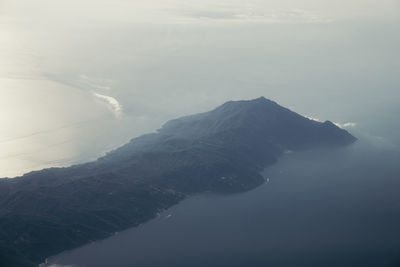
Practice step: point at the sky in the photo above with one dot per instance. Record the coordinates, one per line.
(78, 78)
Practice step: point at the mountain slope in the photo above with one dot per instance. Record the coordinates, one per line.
(43, 213)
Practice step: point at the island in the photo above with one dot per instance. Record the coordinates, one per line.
(45, 212)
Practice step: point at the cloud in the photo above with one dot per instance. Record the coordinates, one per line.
(346, 124)
(111, 103)
(313, 119)
(251, 13)
(341, 125)
(350, 124)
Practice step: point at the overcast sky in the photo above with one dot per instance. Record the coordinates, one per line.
(78, 78)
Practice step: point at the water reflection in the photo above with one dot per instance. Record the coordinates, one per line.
(125, 73)
(47, 124)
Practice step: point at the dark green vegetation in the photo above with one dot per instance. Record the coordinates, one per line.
(43, 213)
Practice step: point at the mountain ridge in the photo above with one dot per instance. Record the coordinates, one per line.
(45, 212)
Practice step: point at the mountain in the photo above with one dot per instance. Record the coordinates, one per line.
(45, 212)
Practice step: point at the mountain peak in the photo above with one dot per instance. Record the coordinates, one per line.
(252, 102)
(130, 185)
(262, 116)
(262, 99)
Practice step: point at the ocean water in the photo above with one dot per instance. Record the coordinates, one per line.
(318, 208)
(78, 79)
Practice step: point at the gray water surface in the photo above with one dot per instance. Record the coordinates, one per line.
(319, 208)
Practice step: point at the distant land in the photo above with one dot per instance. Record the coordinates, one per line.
(224, 150)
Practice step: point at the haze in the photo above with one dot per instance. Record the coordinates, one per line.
(78, 78)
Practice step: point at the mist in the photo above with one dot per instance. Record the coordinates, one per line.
(159, 60)
(81, 78)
